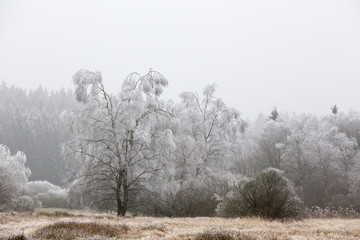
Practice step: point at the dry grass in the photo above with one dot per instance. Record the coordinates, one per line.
(222, 234)
(102, 226)
(74, 230)
(17, 237)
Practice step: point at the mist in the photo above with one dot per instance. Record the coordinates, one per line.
(232, 109)
(298, 56)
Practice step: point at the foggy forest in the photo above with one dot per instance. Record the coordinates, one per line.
(193, 120)
(136, 152)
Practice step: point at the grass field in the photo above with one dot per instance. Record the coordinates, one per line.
(63, 224)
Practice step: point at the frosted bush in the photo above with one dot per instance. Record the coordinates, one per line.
(333, 212)
(15, 163)
(268, 195)
(25, 204)
(47, 193)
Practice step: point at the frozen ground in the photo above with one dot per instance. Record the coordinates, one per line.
(183, 228)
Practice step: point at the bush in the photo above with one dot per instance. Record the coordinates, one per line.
(149, 203)
(25, 204)
(192, 199)
(80, 196)
(333, 212)
(268, 195)
(47, 193)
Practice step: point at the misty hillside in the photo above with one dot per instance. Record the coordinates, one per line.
(30, 122)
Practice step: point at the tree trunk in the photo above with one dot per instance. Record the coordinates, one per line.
(126, 194)
(119, 201)
(122, 190)
(119, 205)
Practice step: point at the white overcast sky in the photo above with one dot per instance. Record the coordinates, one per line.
(301, 56)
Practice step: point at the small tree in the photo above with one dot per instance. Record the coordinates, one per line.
(334, 109)
(274, 115)
(268, 195)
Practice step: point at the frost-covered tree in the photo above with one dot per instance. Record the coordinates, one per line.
(317, 154)
(8, 188)
(208, 130)
(26, 195)
(15, 163)
(13, 176)
(295, 150)
(334, 109)
(274, 115)
(115, 138)
(271, 143)
(205, 132)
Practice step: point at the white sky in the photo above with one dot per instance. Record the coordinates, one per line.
(301, 56)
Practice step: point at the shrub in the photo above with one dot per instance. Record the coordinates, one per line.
(80, 197)
(25, 204)
(149, 203)
(47, 193)
(333, 212)
(192, 199)
(268, 195)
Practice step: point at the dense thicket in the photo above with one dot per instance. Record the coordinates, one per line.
(20, 194)
(30, 122)
(320, 155)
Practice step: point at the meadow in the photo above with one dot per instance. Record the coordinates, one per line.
(65, 224)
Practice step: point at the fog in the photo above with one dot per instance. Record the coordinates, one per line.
(301, 56)
(181, 108)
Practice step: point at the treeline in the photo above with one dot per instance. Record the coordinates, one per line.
(140, 153)
(134, 151)
(319, 154)
(30, 122)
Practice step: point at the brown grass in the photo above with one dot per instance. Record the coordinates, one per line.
(56, 214)
(73, 230)
(16, 237)
(102, 226)
(222, 234)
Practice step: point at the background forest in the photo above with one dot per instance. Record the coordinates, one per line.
(134, 151)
